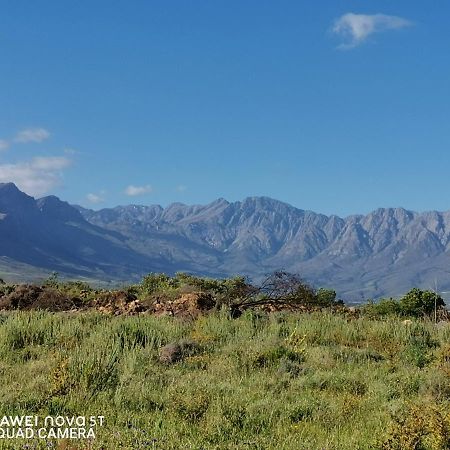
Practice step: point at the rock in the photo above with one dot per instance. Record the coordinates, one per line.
(170, 354)
(175, 352)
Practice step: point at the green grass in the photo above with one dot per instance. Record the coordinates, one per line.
(281, 381)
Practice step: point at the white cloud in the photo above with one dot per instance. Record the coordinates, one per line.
(181, 188)
(356, 28)
(50, 163)
(37, 176)
(95, 198)
(133, 191)
(4, 145)
(31, 135)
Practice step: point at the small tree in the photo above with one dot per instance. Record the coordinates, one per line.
(280, 288)
(156, 282)
(52, 280)
(420, 303)
(326, 297)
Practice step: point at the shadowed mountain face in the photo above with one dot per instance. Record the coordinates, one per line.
(383, 253)
(53, 236)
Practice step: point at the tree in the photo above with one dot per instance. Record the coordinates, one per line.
(280, 288)
(326, 297)
(420, 303)
(155, 282)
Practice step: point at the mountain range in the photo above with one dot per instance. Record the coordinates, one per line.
(383, 253)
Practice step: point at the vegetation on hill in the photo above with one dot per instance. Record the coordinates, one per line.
(158, 292)
(279, 290)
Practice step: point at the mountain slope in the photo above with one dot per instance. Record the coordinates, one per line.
(53, 236)
(385, 252)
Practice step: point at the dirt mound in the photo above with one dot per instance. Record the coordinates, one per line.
(29, 297)
(118, 303)
(188, 305)
(123, 302)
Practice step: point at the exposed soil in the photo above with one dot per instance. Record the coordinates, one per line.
(118, 303)
(31, 297)
(188, 305)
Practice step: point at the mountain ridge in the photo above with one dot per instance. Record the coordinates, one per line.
(384, 252)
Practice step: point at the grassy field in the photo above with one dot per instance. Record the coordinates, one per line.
(262, 381)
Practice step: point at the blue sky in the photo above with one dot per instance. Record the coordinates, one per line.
(339, 107)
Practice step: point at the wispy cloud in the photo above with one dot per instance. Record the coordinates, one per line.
(32, 135)
(356, 28)
(181, 188)
(36, 177)
(50, 163)
(4, 145)
(96, 198)
(70, 151)
(133, 191)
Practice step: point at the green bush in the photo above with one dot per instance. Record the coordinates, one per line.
(157, 282)
(419, 303)
(416, 303)
(326, 297)
(384, 307)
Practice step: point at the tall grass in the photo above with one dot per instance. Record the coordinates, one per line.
(280, 381)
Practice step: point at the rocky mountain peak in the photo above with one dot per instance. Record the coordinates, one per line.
(56, 209)
(14, 201)
(384, 252)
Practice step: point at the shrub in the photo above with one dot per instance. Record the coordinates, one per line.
(416, 303)
(421, 427)
(384, 307)
(326, 297)
(157, 282)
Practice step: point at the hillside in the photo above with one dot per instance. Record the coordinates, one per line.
(45, 235)
(382, 253)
